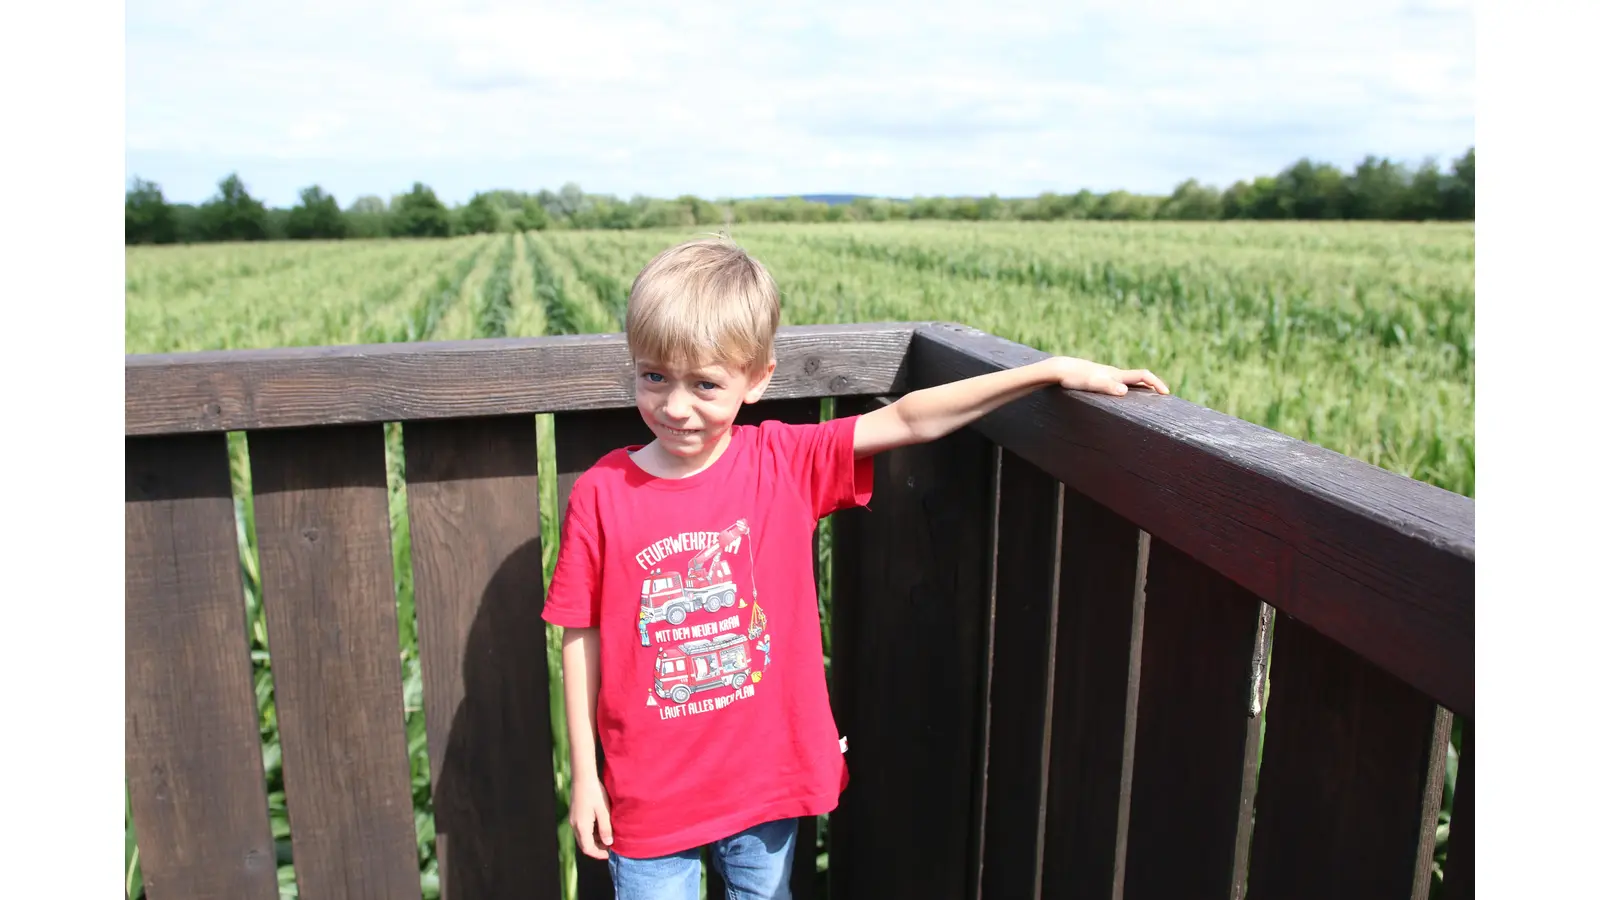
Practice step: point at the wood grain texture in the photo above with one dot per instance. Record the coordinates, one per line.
(1460, 879)
(193, 741)
(1025, 576)
(300, 386)
(1091, 724)
(848, 693)
(1432, 803)
(472, 490)
(1344, 790)
(911, 653)
(1380, 563)
(327, 580)
(1195, 751)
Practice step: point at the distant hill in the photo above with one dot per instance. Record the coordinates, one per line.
(830, 199)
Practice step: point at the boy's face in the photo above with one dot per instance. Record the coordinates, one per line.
(689, 408)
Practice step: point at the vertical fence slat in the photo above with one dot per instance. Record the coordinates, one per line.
(193, 741)
(327, 578)
(912, 658)
(845, 688)
(1344, 777)
(1096, 667)
(1432, 801)
(1027, 548)
(1194, 754)
(1461, 859)
(473, 494)
(581, 439)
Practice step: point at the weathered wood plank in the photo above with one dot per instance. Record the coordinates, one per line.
(327, 580)
(581, 439)
(1432, 802)
(473, 494)
(912, 656)
(803, 880)
(298, 386)
(1195, 748)
(1093, 699)
(1378, 562)
(193, 742)
(1460, 879)
(1026, 544)
(847, 693)
(1343, 796)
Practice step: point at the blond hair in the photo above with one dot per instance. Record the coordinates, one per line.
(703, 302)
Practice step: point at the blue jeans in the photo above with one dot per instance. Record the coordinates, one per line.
(755, 864)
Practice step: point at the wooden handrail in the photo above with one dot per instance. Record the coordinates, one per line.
(232, 390)
(1381, 563)
(1374, 560)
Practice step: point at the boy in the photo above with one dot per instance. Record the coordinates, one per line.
(684, 582)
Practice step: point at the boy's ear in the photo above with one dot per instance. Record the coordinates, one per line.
(759, 385)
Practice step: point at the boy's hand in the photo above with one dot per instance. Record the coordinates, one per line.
(1083, 375)
(590, 814)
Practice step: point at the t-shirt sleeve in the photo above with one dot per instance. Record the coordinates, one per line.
(574, 598)
(822, 459)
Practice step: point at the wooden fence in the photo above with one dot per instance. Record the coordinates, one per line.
(1051, 633)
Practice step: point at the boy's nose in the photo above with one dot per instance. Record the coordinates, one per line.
(677, 406)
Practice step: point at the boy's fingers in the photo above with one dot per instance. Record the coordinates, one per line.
(583, 830)
(604, 818)
(1145, 377)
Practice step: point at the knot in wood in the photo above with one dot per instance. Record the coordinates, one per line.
(310, 535)
(813, 365)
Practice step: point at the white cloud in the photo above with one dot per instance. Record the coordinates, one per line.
(892, 98)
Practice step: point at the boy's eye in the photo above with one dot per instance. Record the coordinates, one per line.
(653, 377)
(707, 386)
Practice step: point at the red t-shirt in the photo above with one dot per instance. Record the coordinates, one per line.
(713, 707)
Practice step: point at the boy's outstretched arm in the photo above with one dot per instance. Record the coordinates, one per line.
(932, 413)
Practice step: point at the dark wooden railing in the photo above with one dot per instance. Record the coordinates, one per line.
(1050, 632)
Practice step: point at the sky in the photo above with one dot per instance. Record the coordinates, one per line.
(894, 98)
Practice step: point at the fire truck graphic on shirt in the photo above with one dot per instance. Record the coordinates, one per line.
(707, 584)
(697, 608)
(687, 669)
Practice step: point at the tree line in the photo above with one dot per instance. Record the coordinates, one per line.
(1375, 189)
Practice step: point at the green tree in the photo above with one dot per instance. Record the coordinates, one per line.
(1459, 201)
(1311, 190)
(531, 217)
(1424, 201)
(368, 217)
(1192, 201)
(233, 215)
(420, 213)
(704, 211)
(317, 216)
(148, 219)
(1376, 189)
(1257, 199)
(483, 214)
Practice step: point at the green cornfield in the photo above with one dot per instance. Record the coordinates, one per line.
(1358, 337)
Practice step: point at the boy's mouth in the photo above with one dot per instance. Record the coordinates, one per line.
(681, 432)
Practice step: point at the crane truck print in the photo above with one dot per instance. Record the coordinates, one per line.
(707, 584)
